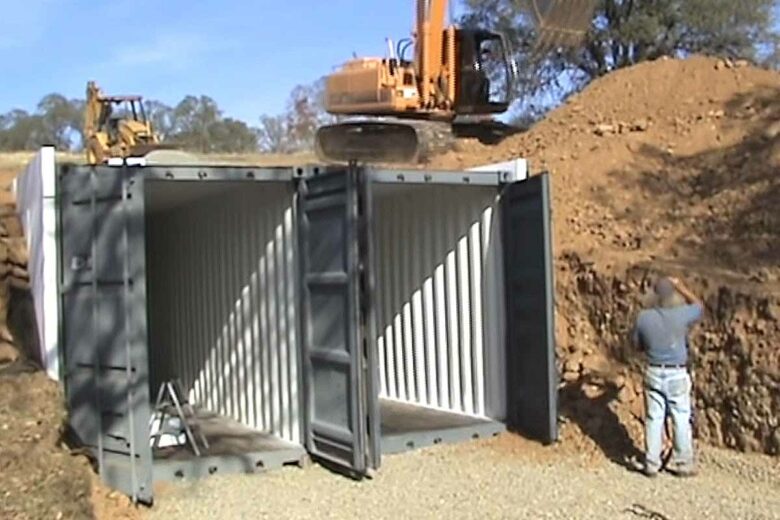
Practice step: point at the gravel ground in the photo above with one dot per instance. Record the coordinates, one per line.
(487, 480)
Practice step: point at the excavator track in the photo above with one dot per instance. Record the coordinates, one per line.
(388, 140)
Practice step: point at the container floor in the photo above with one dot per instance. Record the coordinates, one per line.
(407, 427)
(233, 448)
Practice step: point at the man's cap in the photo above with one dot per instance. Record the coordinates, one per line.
(664, 288)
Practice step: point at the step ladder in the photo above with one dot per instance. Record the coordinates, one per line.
(171, 402)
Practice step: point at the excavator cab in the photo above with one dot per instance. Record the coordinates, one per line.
(486, 75)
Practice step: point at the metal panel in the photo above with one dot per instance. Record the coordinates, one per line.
(249, 462)
(223, 304)
(439, 297)
(463, 178)
(368, 302)
(337, 404)
(104, 322)
(222, 173)
(532, 378)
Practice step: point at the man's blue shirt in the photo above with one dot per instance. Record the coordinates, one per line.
(662, 333)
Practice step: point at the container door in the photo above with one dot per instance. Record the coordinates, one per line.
(532, 377)
(102, 282)
(335, 367)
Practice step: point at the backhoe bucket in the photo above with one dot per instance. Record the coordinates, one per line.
(142, 149)
(562, 22)
(367, 142)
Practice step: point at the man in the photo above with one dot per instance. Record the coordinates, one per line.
(661, 331)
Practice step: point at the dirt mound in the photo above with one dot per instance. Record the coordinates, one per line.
(40, 479)
(669, 166)
(39, 476)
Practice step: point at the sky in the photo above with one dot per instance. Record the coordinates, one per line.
(245, 54)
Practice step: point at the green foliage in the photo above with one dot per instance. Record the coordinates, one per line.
(56, 121)
(161, 117)
(272, 134)
(233, 136)
(294, 129)
(19, 130)
(623, 33)
(195, 120)
(196, 123)
(60, 120)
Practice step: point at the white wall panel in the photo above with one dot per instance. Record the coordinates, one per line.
(439, 284)
(34, 192)
(222, 298)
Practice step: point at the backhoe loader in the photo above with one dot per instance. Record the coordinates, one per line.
(456, 80)
(116, 126)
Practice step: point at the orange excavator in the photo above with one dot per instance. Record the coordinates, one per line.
(456, 79)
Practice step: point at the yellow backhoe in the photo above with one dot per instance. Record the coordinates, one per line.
(416, 102)
(116, 126)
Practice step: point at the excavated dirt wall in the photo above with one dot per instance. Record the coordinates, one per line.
(735, 362)
(669, 167)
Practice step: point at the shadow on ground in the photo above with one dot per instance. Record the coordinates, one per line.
(596, 419)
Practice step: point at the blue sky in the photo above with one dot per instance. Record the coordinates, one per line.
(245, 54)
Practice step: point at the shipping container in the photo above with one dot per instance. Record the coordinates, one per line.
(335, 312)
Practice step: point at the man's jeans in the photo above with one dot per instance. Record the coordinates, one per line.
(668, 389)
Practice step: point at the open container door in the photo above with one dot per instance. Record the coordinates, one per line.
(103, 306)
(532, 380)
(339, 407)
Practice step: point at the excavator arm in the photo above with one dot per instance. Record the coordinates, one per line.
(430, 35)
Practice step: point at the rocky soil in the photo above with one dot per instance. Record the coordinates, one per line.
(670, 167)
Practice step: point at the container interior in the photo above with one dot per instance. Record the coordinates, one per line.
(222, 311)
(438, 313)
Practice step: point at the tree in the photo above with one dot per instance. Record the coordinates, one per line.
(771, 55)
(193, 119)
(272, 134)
(233, 136)
(56, 121)
(294, 130)
(20, 130)
(61, 121)
(197, 124)
(306, 113)
(161, 117)
(623, 33)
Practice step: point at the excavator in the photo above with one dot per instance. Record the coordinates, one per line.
(456, 81)
(116, 126)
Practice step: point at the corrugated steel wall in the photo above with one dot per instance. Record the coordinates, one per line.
(439, 310)
(222, 298)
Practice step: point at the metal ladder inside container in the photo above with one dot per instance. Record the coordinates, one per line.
(172, 403)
